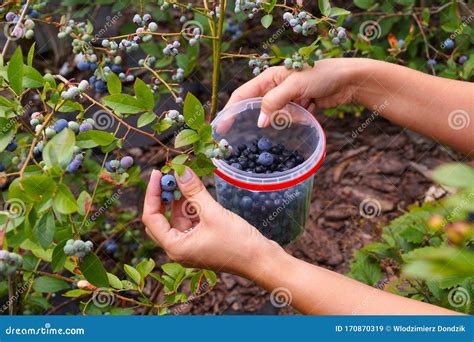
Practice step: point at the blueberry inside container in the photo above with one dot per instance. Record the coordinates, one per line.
(276, 203)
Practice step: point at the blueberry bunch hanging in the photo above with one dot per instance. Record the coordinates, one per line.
(259, 64)
(78, 248)
(119, 166)
(300, 22)
(295, 62)
(338, 35)
(9, 263)
(169, 189)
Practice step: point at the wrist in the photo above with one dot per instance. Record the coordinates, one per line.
(361, 75)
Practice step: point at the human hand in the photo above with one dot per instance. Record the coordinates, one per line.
(201, 233)
(331, 82)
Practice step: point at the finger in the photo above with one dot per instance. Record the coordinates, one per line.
(196, 194)
(277, 98)
(179, 216)
(152, 203)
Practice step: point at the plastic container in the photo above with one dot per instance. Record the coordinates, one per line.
(279, 205)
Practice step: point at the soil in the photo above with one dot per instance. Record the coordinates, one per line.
(384, 162)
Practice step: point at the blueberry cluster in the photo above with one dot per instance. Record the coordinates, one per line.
(216, 12)
(196, 35)
(295, 62)
(300, 22)
(173, 117)
(261, 156)
(73, 92)
(86, 62)
(119, 166)
(24, 31)
(169, 189)
(338, 35)
(146, 25)
(77, 160)
(9, 263)
(179, 76)
(171, 49)
(80, 34)
(279, 215)
(100, 77)
(249, 7)
(78, 248)
(222, 150)
(259, 64)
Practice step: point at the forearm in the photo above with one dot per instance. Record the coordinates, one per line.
(315, 290)
(418, 101)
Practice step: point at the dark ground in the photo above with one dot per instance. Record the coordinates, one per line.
(384, 162)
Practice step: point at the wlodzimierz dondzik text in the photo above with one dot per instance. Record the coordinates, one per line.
(402, 328)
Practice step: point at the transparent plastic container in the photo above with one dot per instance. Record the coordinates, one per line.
(278, 203)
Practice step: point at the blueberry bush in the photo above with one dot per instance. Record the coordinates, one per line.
(62, 172)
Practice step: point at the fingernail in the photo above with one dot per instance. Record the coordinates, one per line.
(262, 119)
(186, 176)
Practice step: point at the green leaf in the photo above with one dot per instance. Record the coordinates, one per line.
(133, 274)
(202, 166)
(31, 54)
(114, 281)
(365, 270)
(336, 11)
(32, 78)
(180, 159)
(211, 277)
(324, 7)
(94, 271)
(267, 20)
(146, 118)
(84, 202)
(145, 267)
(193, 112)
(64, 201)
(37, 188)
(456, 175)
(114, 85)
(268, 6)
(49, 285)
(144, 95)
(15, 71)
(172, 269)
(76, 293)
(99, 138)
(6, 136)
(44, 230)
(59, 258)
(59, 150)
(123, 103)
(364, 4)
(186, 137)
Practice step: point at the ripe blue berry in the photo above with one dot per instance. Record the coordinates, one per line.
(265, 159)
(85, 126)
(167, 196)
(74, 166)
(60, 125)
(448, 44)
(83, 66)
(126, 162)
(168, 183)
(246, 203)
(431, 61)
(462, 59)
(264, 144)
(12, 146)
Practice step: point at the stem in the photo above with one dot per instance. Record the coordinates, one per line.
(22, 16)
(217, 46)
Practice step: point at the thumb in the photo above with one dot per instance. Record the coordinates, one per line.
(277, 98)
(192, 188)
